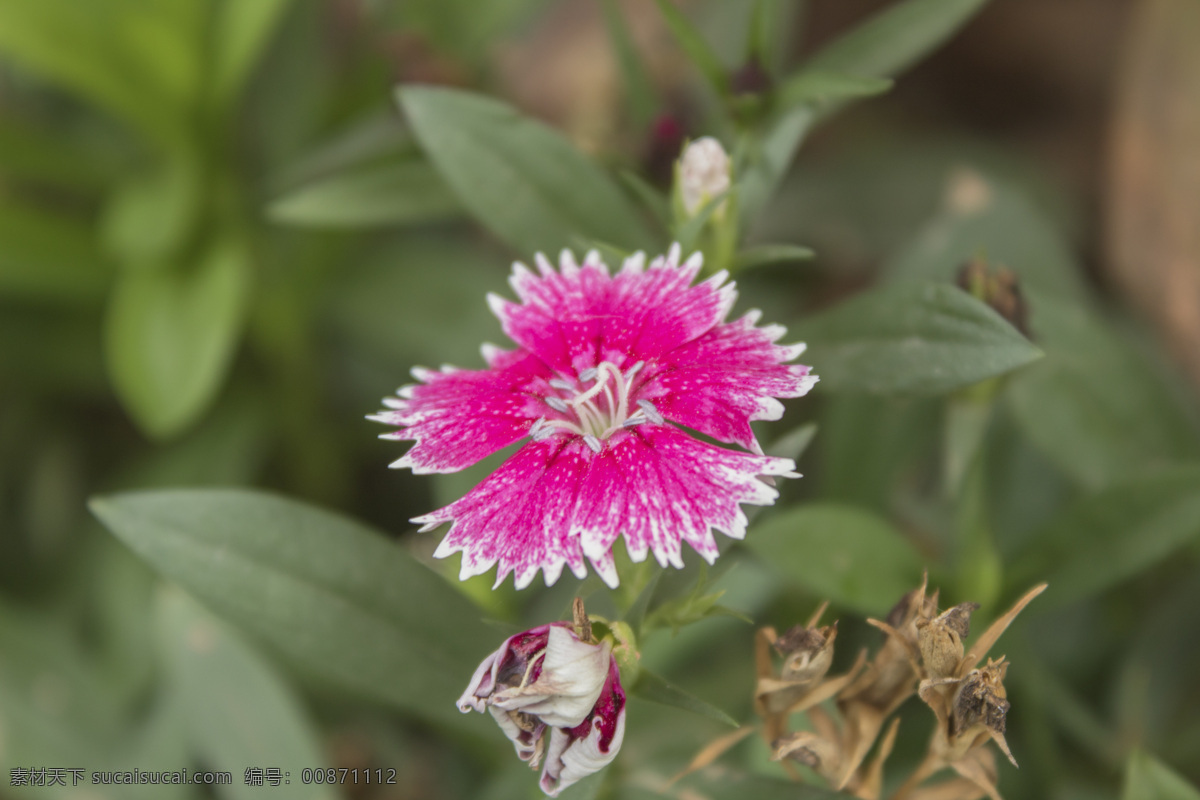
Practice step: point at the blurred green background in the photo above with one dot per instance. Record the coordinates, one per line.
(224, 236)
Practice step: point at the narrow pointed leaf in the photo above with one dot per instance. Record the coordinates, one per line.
(769, 254)
(657, 689)
(170, 336)
(333, 596)
(1114, 535)
(913, 339)
(237, 709)
(393, 194)
(521, 179)
(1147, 778)
(694, 45)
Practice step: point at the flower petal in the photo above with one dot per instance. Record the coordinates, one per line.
(555, 501)
(579, 316)
(516, 517)
(573, 673)
(458, 417)
(659, 487)
(575, 753)
(722, 381)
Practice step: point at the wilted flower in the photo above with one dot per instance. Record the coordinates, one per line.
(704, 173)
(556, 696)
(605, 369)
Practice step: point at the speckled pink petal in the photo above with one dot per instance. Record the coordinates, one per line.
(516, 518)
(659, 487)
(722, 381)
(458, 417)
(556, 501)
(579, 316)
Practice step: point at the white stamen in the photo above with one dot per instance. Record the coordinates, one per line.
(600, 410)
(651, 412)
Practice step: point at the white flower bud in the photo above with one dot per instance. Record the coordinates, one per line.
(704, 173)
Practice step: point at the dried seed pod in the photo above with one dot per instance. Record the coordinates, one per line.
(807, 652)
(941, 639)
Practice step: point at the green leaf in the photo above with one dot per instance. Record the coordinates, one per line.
(638, 87)
(895, 38)
(238, 711)
(848, 555)
(407, 192)
(1113, 535)
(657, 689)
(46, 256)
(883, 46)
(769, 254)
(648, 195)
(695, 46)
(1147, 778)
(688, 232)
(335, 597)
(170, 337)
(793, 443)
(912, 339)
(150, 216)
(138, 61)
(241, 32)
(524, 181)
(1096, 407)
(816, 88)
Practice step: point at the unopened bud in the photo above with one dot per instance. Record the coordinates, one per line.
(704, 173)
(554, 695)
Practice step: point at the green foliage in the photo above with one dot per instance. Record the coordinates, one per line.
(848, 555)
(919, 339)
(657, 689)
(236, 710)
(221, 242)
(520, 178)
(170, 337)
(328, 593)
(1149, 779)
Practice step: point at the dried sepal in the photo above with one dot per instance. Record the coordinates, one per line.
(982, 645)
(869, 783)
(822, 755)
(712, 751)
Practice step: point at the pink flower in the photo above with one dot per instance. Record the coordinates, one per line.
(555, 696)
(609, 373)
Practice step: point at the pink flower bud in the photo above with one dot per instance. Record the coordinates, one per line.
(555, 696)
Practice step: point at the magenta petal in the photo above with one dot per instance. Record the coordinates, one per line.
(659, 487)
(556, 501)
(517, 518)
(579, 316)
(722, 381)
(458, 417)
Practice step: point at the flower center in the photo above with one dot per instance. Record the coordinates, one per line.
(597, 411)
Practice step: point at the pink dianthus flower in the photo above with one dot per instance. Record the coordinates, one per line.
(609, 373)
